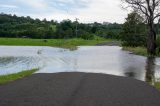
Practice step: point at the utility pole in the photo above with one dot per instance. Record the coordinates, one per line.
(76, 27)
(158, 25)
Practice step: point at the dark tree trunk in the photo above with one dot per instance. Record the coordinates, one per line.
(151, 42)
(150, 69)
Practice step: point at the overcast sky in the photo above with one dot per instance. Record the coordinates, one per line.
(86, 10)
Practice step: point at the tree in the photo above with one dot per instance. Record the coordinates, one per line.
(134, 31)
(15, 26)
(150, 10)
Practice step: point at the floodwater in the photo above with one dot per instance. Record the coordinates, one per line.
(92, 59)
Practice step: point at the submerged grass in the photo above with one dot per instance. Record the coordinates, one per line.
(11, 77)
(137, 50)
(63, 43)
(140, 51)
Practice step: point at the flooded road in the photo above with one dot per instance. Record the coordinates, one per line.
(92, 59)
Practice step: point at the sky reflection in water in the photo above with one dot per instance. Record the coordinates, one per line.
(94, 59)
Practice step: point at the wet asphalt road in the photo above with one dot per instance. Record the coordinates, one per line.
(78, 89)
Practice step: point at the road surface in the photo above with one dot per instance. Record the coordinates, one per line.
(78, 89)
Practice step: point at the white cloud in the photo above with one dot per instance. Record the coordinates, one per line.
(8, 6)
(86, 10)
(34, 3)
(101, 10)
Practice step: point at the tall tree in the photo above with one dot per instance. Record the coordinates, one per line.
(134, 33)
(151, 10)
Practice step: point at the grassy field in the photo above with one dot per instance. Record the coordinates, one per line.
(157, 85)
(140, 51)
(137, 50)
(11, 77)
(64, 43)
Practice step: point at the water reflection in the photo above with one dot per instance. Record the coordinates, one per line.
(98, 59)
(131, 73)
(6, 60)
(15, 64)
(150, 70)
(132, 65)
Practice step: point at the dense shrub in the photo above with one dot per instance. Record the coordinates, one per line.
(134, 40)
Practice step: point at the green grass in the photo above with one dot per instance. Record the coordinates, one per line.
(63, 43)
(11, 77)
(137, 50)
(142, 50)
(157, 85)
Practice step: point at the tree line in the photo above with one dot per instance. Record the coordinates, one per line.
(134, 32)
(27, 27)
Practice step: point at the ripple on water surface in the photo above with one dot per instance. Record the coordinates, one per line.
(95, 59)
